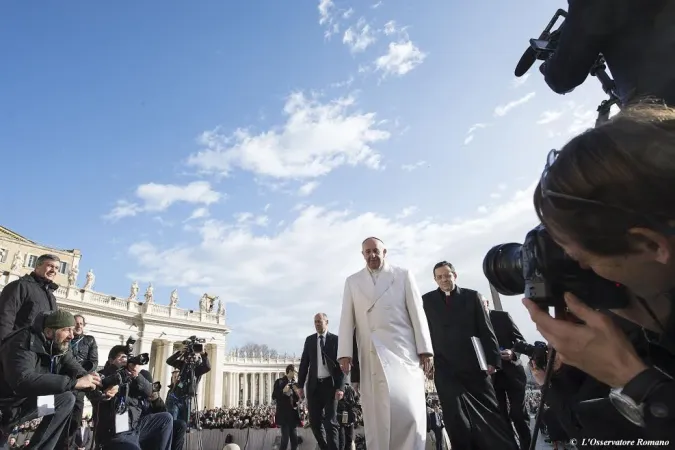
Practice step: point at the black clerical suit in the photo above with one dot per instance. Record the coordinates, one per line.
(470, 409)
(510, 381)
(320, 391)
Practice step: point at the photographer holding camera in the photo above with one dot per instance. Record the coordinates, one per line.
(155, 404)
(119, 422)
(286, 394)
(37, 377)
(635, 38)
(607, 200)
(192, 362)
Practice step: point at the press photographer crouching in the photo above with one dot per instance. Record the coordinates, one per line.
(37, 378)
(608, 200)
(118, 407)
(192, 362)
(155, 404)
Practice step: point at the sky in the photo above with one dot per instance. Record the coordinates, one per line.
(245, 149)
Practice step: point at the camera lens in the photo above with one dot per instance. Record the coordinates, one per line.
(503, 267)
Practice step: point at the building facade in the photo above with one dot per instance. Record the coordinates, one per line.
(159, 329)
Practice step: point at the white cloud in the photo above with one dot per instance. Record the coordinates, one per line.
(359, 37)
(390, 28)
(517, 82)
(401, 58)
(407, 212)
(468, 139)
(502, 110)
(315, 139)
(471, 133)
(376, 5)
(159, 197)
(347, 14)
(549, 116)
(199, 213)
(325, 10)
(308, 188)
(411, 167)
(309, 257)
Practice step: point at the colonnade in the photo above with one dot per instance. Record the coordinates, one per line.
(249, 388)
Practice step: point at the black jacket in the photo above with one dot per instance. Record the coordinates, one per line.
(286, 405)
(308, 362)
(176, 361)
(453, 324)
(135, 395)
(84, 348)
(348, 403)
(636, 39)
(25, 368)
(507, 334)
(22, 300)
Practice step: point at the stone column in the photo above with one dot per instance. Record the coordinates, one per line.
(165, 349)
(237, 386)
(245, 399)
(214, 396)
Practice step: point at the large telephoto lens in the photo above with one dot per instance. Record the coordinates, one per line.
(503, 267)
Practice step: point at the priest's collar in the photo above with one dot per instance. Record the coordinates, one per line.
(455, 290)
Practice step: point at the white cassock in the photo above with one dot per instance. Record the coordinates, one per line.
(391, 331)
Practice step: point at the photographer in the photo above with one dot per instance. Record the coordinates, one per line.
(36, 369)
(85, 350)
(119, 422)
(607, 199)
(155, 404)
(192, 362)
(286, 394)
(633, 36)
(346, 415)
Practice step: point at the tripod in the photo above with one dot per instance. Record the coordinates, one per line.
(599, 70)
(190, 401)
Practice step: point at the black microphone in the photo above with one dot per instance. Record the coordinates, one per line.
(526, 61)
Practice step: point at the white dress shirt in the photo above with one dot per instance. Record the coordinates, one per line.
(321, 369)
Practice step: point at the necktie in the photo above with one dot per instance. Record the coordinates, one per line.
(323, 356)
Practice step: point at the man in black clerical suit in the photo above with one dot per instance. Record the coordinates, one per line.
(510, 381)
(325, 383)
(285, 394)
(470, 409)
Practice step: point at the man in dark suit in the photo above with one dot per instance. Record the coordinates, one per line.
(82, 437)
(325, 383)
(510, 381)
(468, 400)
(286, 395)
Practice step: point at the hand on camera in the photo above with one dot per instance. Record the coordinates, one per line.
(597, 347)
(111, 392)
(88, 382)
(287, 389)
(507, 355)
(339, 394)
(134, 370)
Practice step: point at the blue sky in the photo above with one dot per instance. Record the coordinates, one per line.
(247, 148)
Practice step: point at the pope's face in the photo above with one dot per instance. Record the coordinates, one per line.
(373, 252)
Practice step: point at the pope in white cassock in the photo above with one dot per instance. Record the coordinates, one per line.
(384, 304)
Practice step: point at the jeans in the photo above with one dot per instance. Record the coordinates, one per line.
(179, 408)
(53, 429)
(179, 429)
(154, 432)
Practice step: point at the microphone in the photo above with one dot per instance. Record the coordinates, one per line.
(526, 61)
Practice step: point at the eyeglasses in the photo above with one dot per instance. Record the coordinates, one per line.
(655, 221)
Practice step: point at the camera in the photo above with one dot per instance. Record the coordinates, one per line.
(538, 353)
(156, 386)
(540, 269)
(141, 359)
(194, 345)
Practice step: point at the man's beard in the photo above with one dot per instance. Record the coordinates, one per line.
(61, 348)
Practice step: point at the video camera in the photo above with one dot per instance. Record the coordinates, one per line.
(540, 269)
(543, 47)
(538, 353)
(194, 345)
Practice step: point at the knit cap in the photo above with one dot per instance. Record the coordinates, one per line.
(59, 319)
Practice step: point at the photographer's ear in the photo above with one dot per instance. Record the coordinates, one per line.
(656, 246)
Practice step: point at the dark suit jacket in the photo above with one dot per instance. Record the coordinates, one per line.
(508, 334)
(308, 362)
(286, 405)
(355, 374)
(79, 441)
(453, 325)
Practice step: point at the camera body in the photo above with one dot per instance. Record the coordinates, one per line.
(538, 353)
(122, 377)
(194, 345)
(140, 359)
(156, 386)
(540, 269)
